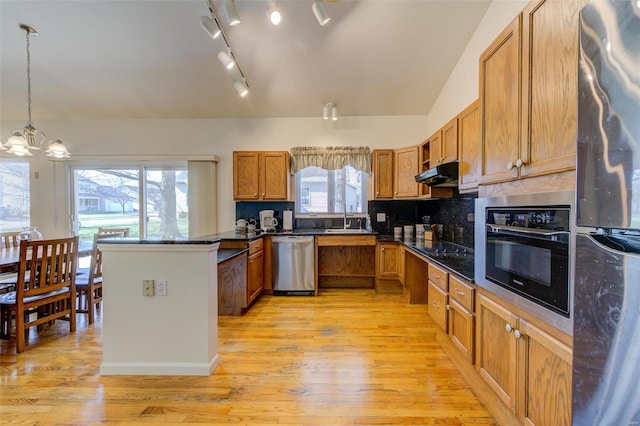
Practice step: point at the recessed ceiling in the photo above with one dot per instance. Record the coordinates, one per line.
(151, 59)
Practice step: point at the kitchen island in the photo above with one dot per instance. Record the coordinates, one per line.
(160, 313)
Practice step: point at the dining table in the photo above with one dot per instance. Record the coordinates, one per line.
(10, 257)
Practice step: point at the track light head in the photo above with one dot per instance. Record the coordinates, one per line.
(273, 12)
(230, 12)
(334, 113)
(210, 26)
(226, 59)
(241, 88)
(321, 13)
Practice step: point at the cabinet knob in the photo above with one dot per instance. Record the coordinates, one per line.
(508, 328)
(255, 195)
(377, 193)
(517, 334)
(263, 194)
(519, 163)
(448, 308)
(382, 249)
(510, 165)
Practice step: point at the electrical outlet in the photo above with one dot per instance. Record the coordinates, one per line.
(148, 288)
(471, 217)
(381, 217)
(162, 287)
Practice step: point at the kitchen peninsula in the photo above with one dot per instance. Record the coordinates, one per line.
(166, 326)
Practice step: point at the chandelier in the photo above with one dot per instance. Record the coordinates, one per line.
(23, 141)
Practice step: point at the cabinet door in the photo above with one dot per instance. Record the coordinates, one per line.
(550, 52)
(401, 254)
(405, 171)
(246, 171)
(500, 70)
(435, 149)
(544, 378)
(382, 173)
(388, 260)
(450, 141)
(437, 305)
(274, 175)
(461, 329)
(469, 148)
(255, 277)
(496, 348)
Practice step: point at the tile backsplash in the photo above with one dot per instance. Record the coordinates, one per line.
(251, 210)
(451, 213)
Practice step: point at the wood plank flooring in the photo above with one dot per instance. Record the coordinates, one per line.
(345, 357)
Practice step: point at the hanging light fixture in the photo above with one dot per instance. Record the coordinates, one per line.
(23, 141)
(230, 12)
(273, 12)
(321, 13)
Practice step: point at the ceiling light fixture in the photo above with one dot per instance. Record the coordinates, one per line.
(210, 25)
(241, 88)
(23, 141)
(273, 12)
(330, 111)
(226, 59)
(334, 113)
(230, 12)
(321, 13)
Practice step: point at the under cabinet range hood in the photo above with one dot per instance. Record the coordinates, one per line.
(442, 175)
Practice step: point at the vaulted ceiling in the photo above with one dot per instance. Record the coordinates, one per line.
(98, 59)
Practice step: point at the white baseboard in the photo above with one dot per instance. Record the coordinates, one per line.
(159, 368)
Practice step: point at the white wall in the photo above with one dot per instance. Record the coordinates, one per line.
(461, 88)
(222, 137)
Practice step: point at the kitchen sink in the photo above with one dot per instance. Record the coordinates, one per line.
(346, 231)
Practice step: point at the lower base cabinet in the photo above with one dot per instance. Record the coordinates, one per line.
(528, 368)
(232, 285)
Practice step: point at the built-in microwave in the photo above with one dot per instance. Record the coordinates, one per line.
(524, 252)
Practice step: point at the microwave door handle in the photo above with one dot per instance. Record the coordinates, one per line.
(516, 230)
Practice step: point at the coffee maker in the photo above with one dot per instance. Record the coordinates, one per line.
(267, 221)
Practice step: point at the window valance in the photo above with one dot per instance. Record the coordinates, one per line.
(331, 158)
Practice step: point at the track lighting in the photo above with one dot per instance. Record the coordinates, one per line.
(330, 111)
(241, 88)
(230, 12)
(273, 12)
(321, 13)
(226, 59)
(209, 24)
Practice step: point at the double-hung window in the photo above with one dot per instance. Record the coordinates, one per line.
(14, 194)
(326, 192)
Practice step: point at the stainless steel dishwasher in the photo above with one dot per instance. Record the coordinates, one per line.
(293, 265)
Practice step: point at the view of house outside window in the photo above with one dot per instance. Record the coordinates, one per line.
(14, 194)
(151, 202)
(320, 191)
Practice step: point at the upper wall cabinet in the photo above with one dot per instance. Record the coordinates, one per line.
(261, 175)
(382, 160)
(469, 148)
(528, 94)
(406, 168)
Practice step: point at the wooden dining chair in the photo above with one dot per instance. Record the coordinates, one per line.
(8, 239)
(45, 289)
(125, 231)
(89, 286)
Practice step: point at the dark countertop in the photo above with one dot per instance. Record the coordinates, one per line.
(454, 257)
(203, 240)
(226, 254)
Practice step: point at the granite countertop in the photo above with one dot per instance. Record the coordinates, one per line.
(203, 240)
(226, 254)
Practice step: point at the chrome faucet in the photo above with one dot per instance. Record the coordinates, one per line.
(347, 223)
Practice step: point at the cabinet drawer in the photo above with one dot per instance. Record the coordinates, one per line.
(346, 240)
(255, 246)
(438, 306)
(461, 292)
(439, 277)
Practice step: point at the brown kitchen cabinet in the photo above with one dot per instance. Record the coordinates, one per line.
(251, 284)
(255, 271)
(382, 160)
(406, 167)
(232, 285)
(427, 161)
(461, 316)
(438, 301)
(346, 261)
(527, 367)
(443, 145)
(388, 264)
(469, 148)
(261, 175)
(528, 94)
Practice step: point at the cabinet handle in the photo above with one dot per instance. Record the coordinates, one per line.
(461, 293)
(510, 165)
(436, 275)
(508, 328)
(435, 305)
(519, 163)
(517, 334)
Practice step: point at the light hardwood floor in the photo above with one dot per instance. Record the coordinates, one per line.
(345, 357)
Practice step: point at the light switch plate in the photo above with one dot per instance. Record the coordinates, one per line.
(162, 287)
(381, 217)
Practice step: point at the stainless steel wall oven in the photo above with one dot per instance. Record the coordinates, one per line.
(524, 252)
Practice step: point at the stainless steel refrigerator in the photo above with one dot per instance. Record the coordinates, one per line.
(606, 360)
